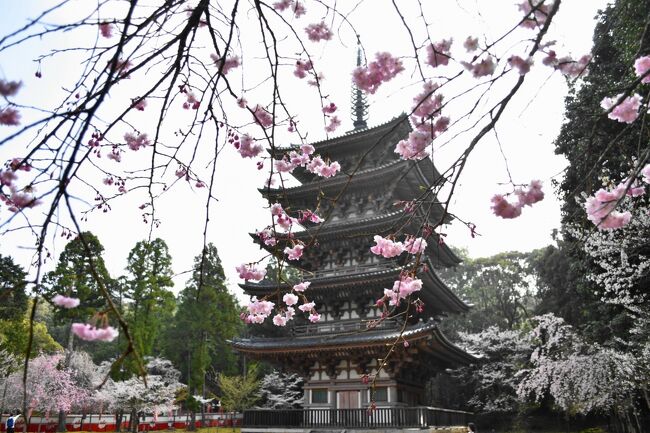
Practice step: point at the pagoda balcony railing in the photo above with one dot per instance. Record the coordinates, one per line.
(391, 417)
(351, 270)
(337, 327)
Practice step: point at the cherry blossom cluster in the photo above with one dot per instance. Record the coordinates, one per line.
(438, 53)
(9, 116)
(136, 142)
(258, 310)
(90, 333)
(250, 272)
(65, 302)
(382, 70)
(601, 207)
(85, 331)
(296, 7)
(305, 158)
(302, 68)
(427, 121)
(505, 209)
(388, 248)
(535, 13)
(247, 147)
(229, 63)
(318, 32)
(625, 109)
(17, 198)
(401, 289)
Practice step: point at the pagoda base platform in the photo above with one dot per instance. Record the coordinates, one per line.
(380, 420)
(460, 429)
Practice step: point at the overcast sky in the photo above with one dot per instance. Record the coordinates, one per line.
(526, 134)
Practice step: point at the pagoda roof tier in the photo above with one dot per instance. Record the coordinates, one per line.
(368, 282)
(422, 337)
(439, 253)
(410, 177)
(375, 139)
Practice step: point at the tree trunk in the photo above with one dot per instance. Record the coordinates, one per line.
(135, 419)
(69, 349)
(192, 424)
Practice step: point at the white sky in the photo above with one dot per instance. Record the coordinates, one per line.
(526, 133)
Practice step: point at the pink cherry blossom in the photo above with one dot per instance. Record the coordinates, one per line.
(536, 18)
(407, 285)
(279, 320)
(290, 299)
(328, 170)
(318, 32)
(299, 9)
(438, 53)
(7, 177)
(139, 104)
(310, 216)
(106, 29)
(289, 313)
(294, 253)
(242, 102)
(386, 247)
(191, 101)
(415, 146)
(282, 5)
(470, 44)
(307, 149)
(329, 108)
(250, 272)
(284, 221)
(19, 200)
(9, 116)
(298, 159)
(415, 245)
(302, 67)
(90, 333)
(333, 125)
(641, 67)
(532, 195)
(572, 68)
(263, 117)
(248, 148)
(626, 111)
(426, 107)
(307, 307)
(267, 237)
(9, 88)
(231, 62)
(382, 70)
(276, 209)
(522, 66)
(258, 310)
(314, 317)
(501, 207)
(315, 165)
(301, 287)
(65, 302)
(601, 208)
(136, 142)
(481, 69)
(284, 166)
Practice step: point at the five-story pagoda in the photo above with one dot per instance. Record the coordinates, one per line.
(362, 349)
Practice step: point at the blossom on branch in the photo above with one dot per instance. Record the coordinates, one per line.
(90, 333)
(136, 142)
(438, 53)
(641, 67)
(250, 272)
(318, 32)
(65, 302)
(294, 253)
(626, 111)
(9, 88)
(9, 116)
(106, 30)
(382, 70)
(386, 247)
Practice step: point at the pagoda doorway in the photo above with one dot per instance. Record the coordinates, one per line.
(348, 400)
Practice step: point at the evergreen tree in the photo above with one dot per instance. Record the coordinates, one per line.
(146, 290)
(13, 299)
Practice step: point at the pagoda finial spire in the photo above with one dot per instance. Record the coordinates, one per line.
(359, 100)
